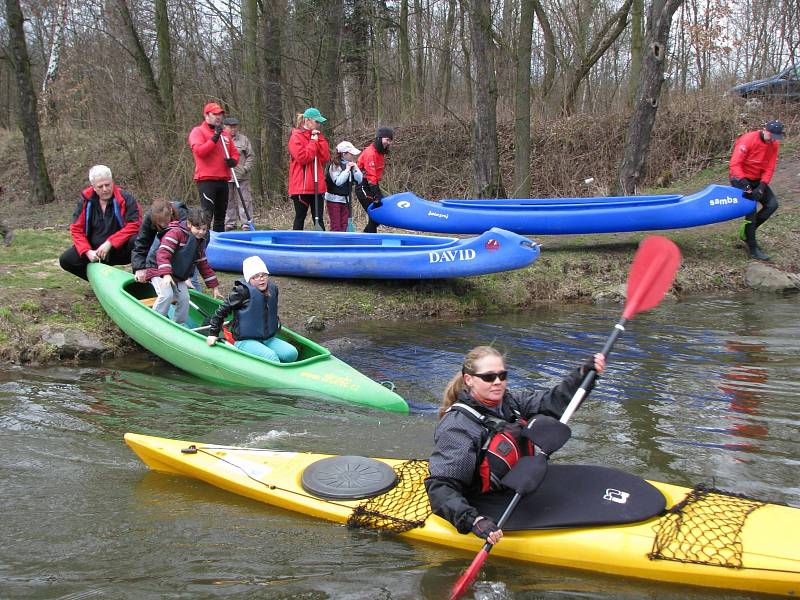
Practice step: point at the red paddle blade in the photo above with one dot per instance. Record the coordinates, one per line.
(651, 275)
(469, 575)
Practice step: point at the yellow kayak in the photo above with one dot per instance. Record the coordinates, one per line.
(704, 537)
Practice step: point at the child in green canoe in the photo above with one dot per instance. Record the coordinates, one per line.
(255, 323)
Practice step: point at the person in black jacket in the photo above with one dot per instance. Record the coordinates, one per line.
(155, 222)
(479, 435)
(255, 324)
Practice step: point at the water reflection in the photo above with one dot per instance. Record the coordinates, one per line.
(695, 391)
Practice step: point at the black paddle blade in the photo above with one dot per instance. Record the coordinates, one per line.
(527, 475)
(547, 433)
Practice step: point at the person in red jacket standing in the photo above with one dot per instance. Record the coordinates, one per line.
(104, 225)
(751, 168)
(212, 168)
(371, 163)
(308, 153)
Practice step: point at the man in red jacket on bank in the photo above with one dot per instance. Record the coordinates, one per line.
(751, 168)
(104, 225)
(212, 167)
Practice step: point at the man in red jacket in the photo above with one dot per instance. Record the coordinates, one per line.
(104, 225)
(212, 168)
(371, 164)
(751, 168)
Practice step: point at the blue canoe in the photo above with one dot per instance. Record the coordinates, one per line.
(553, 216)
(372, 255)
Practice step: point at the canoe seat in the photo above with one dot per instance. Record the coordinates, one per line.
(148, 301)
(391, 242)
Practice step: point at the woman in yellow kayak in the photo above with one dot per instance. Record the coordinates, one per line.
(255, 323)
(481, 434)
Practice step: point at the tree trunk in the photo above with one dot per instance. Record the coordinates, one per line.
(419, 68)
(151, 88)
(637, 45)
(53, 62)
(273, 100)
(488, 183)
(41, 190)
(522, 105)
(445, 68)
(640, 127)
(406, 84)
(467, 52)
(549, 48)
(329, 62)
(607, 35)
(165, 79)
(253, 115)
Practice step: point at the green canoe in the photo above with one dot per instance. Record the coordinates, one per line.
(316, 369)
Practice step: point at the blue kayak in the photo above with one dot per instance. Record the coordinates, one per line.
(553, 216)
(372, 255)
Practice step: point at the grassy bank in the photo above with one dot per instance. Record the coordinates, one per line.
(38, 298)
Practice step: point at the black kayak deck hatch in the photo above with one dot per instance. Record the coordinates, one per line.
(348, 478)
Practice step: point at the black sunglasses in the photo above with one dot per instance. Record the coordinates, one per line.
(490, 377)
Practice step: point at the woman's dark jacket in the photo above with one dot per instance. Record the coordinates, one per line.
(458, 439)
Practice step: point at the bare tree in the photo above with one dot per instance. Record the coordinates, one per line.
(165, 119)
(273, 99)
(522, 105)
(42, 190)
(165, 79)
(253, 114)
(585, 59)
(549, 48)
(640, 128)
(329, 59)
(486, 161)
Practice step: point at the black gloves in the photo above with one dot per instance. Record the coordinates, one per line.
(758, 193)
(231, 162)
(217, 133)
(483, 526)
(588, 365)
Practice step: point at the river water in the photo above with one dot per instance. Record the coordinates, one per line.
(695, 391)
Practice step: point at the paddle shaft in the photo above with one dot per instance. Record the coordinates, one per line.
(652, 273)
(315, 210)
(236, 185)
(588, 379)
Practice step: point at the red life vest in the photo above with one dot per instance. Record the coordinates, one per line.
(501, 445)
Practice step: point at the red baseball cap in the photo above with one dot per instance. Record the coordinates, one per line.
(213, 107)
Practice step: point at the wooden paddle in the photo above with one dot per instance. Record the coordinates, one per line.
(315, 216)
(651, 275)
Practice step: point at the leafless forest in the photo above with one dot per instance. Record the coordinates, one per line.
(489, 82)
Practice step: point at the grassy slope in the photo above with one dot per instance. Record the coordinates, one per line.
(36, 293)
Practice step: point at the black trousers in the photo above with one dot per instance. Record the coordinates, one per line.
(73, 262)
(214, 200)
(367, 196)
(302, 202)
(769, 204)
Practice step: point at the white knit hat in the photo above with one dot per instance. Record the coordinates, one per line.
(253, 265)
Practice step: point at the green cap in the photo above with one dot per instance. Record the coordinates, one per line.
(313, 113)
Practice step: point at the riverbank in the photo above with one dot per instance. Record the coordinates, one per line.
(48, 315)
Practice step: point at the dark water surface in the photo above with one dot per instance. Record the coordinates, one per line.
(696, 391)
